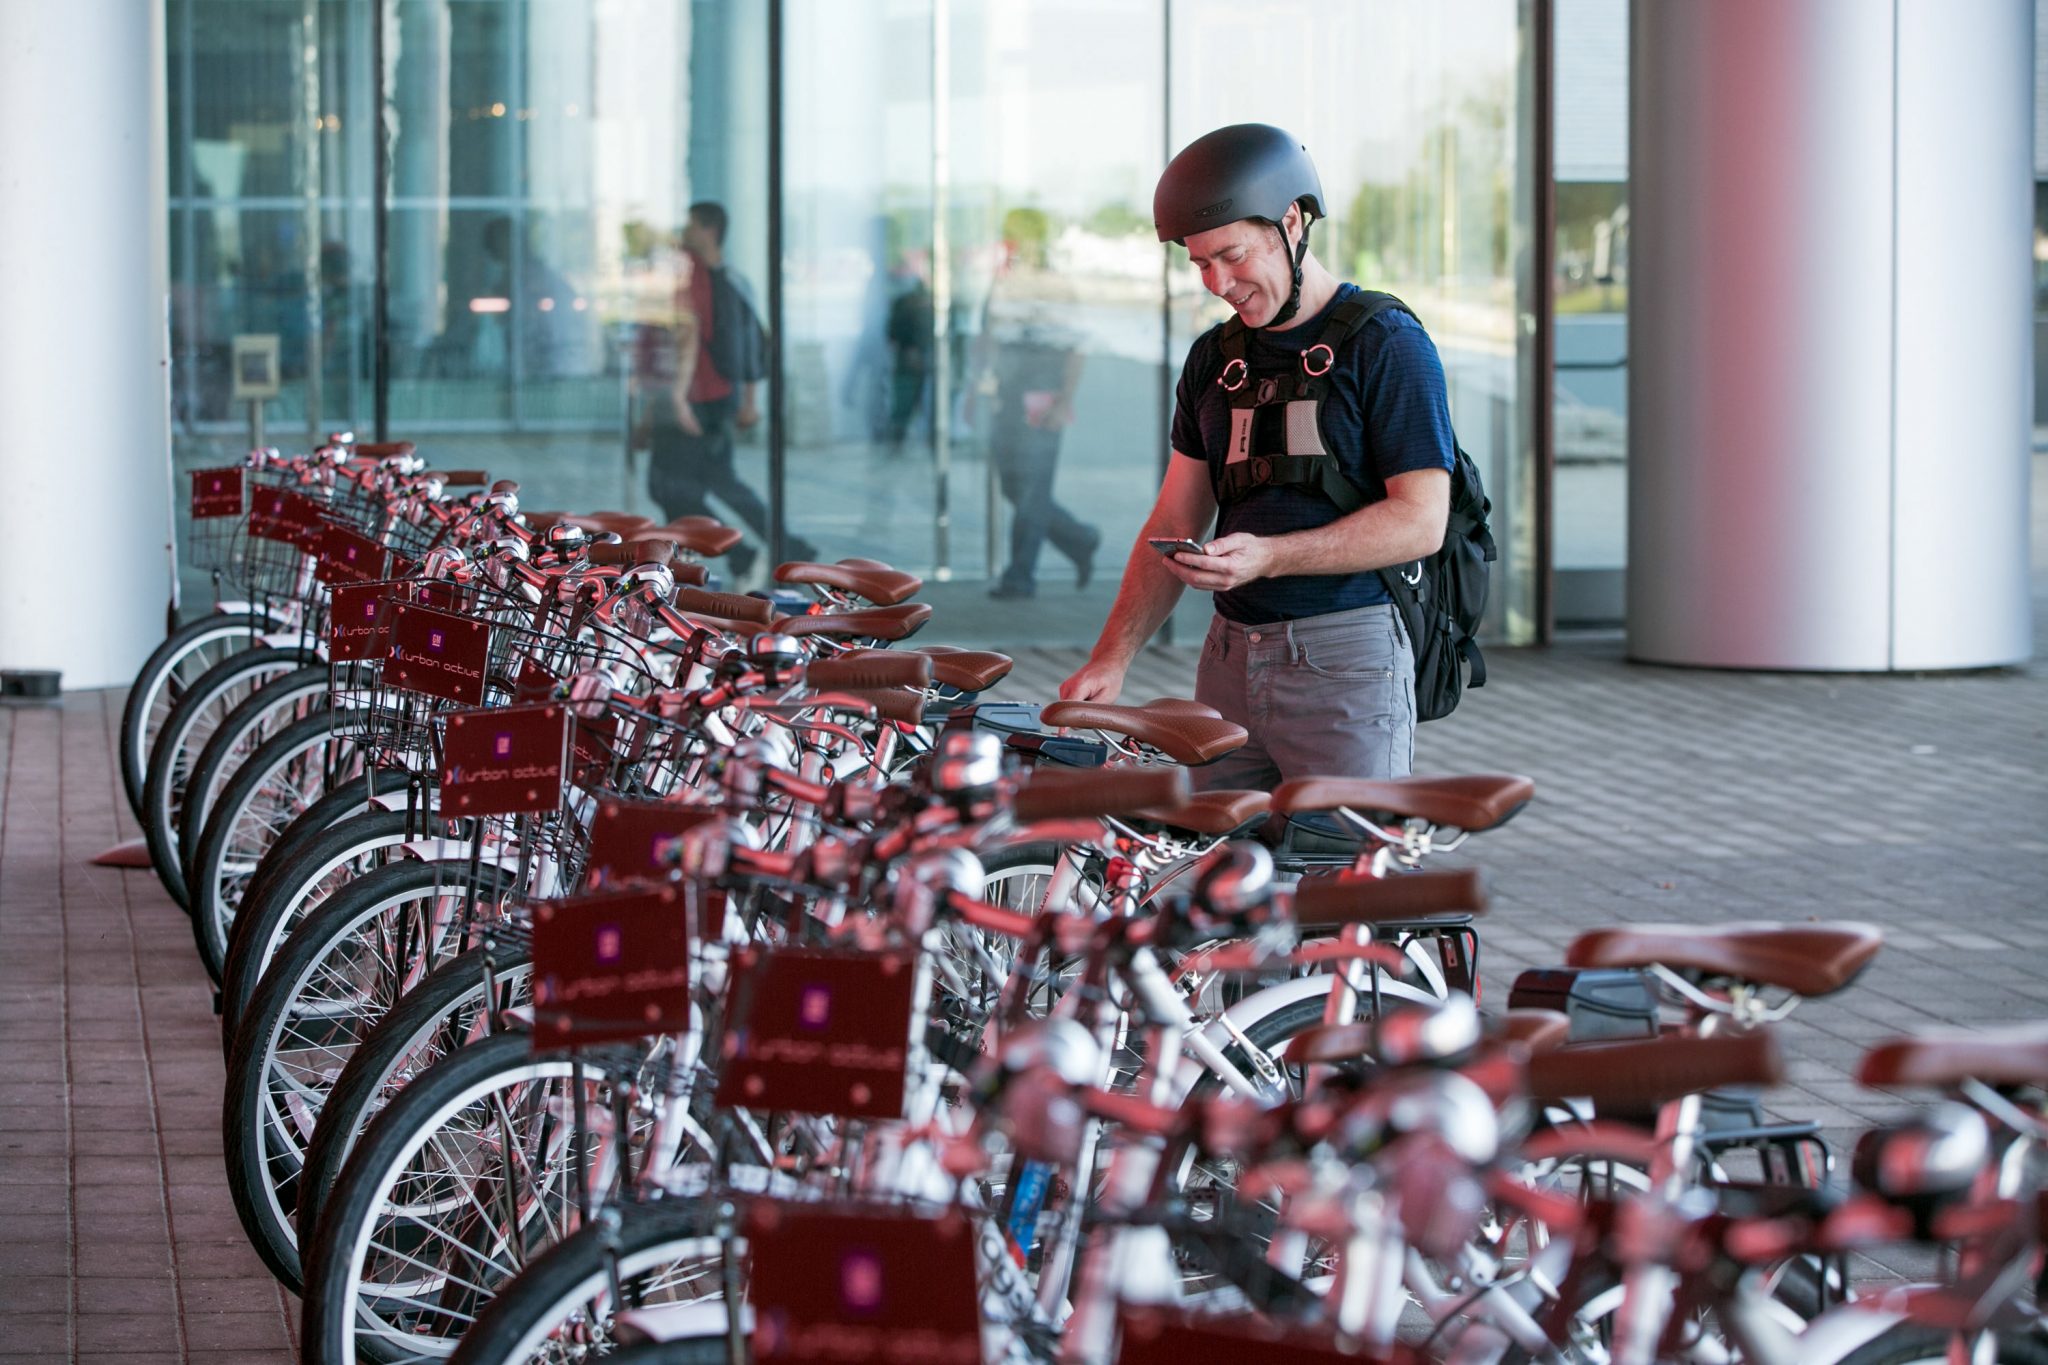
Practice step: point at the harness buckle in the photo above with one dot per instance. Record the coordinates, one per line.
(1308, 364)
(1234, 375)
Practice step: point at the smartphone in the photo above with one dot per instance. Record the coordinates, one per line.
(1177, 546)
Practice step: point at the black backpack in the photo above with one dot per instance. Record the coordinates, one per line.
(1442, 598)
(737, 346)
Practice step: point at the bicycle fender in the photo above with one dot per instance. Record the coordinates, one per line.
(457, 851)
(267, 612)
(292, 639)
(1270, 1000)
(1835, 1333)
(704, 1320)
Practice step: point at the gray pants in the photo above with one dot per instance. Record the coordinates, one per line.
(1325, 696)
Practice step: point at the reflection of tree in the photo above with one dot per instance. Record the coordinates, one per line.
(1592, 247)
(1118, 220)
(1449, 217)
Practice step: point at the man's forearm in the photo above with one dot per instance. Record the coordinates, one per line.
(1143, 602)
(1374, 537)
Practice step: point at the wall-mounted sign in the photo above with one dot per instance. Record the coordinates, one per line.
(255, 367)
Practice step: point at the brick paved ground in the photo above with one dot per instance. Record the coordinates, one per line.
(117, 1240)
(1920, 803)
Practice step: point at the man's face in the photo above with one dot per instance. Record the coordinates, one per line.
(1244, 264)
(695, 236)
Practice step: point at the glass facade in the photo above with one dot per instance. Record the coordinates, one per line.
(1589, 282)
(977, 332)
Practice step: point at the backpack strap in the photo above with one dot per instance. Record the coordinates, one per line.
(1311, 384)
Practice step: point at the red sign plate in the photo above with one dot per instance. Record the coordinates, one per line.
(346, 556)
(438, 653)
(216, 492)
(820, 1031)
(359, 620)
(1155, 1338)
(505, 760)
(284, 516)
(595, 738)
(847, 1286)
(636, 840)
(610, 966)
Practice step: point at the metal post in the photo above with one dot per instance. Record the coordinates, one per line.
(942, 294)
(778, 423)
(310, 114)
(1542, 21)
(1167, 369)
(380, 236)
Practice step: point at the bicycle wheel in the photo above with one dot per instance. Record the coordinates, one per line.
(335, 978)
(444, 1012)
(171, 667)
(262, 714)
(463, 1180)
(322, 863)
(206, 704)
(562, 1307)
(291, 771)
(342, 801)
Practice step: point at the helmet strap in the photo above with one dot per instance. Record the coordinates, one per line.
(1300, 254)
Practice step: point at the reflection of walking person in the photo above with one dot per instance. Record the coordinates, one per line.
(702, 389)
(1029, 358)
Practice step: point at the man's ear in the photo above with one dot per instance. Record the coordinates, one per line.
(1292, 225)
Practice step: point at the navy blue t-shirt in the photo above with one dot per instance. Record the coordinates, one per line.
(1386, 413)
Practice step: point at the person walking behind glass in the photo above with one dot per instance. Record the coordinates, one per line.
(1029, 359)
(703, 388)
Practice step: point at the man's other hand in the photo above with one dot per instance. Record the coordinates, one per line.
(748, 415)
(1231, 561)
(686, 418)
(1095, 680)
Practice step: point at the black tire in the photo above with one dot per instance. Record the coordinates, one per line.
(350, 798)
(1010, 872)
(337, 975)
(182, 743)
(190, 650)
(295, 880)
(444, 1012)
(450, 1107)
(571, 1282)
(289, 772)
(262, 714)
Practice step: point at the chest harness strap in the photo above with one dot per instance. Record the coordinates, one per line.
(1276, 418)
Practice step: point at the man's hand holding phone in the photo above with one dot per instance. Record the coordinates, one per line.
(1176, 545)
(1224, 563)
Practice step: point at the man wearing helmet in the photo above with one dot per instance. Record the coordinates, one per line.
(1313, 427)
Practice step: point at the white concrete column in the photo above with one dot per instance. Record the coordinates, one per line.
(84, 350)
(1830, 333)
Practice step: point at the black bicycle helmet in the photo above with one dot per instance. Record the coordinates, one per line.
(1244, 171)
